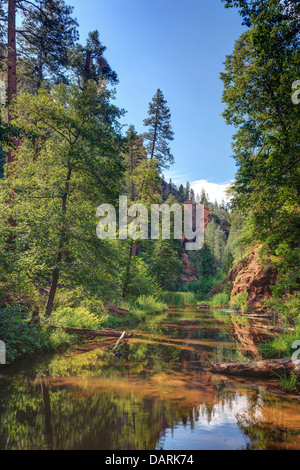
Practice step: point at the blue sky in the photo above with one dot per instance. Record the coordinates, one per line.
(178, 46)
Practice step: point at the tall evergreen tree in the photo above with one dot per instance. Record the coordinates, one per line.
(47, 33)
(89, 63)
(134, 155)
(160, 131)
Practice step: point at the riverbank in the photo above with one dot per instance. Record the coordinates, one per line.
(33, 336)
(157, 393)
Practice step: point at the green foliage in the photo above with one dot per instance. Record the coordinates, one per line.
(159, 131)
(220, 300)
(47, 34)
(79, 317)
(150, 304)
(215, 240)
(281, 345)
(287, 308)
(289, 382)
(141, 280)
(166, 264)
(202, 287)
(70, 134)
(238, 302)
(179, 299)
(21, 336)
(258, 81)
(88, 62)
(60, 339)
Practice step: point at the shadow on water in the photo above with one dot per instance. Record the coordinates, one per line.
(157, 394)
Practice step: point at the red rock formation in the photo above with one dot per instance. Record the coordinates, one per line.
(252, 276)
(255, 278)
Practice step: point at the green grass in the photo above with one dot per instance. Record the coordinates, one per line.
(179, 299)
(150, 305)
(282, 345)
(289, 382)
(220, 300)
(22, 337)
(145, 306)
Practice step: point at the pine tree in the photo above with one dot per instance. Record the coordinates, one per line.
(187, 192)
(88, 62)
(160, 131)
(43, 34)
(166, 263)
(181, 194)
(203, 197)
(192, 196)
(134, 155)
(47, 33)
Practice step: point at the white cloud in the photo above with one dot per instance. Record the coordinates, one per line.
(176, 177)
(215, 191)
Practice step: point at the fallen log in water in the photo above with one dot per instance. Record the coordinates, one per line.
(85, 332)
(266, 368)
(117, 310)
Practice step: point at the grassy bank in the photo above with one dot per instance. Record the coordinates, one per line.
(25, 337)
(179, 299)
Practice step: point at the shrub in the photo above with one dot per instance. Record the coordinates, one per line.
(20, 336)
(62, 339)
(238, 302)
(287, 308)
(79, 317)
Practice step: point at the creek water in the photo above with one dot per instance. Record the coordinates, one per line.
(155, 393)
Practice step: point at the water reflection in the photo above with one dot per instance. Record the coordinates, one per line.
(156, 395)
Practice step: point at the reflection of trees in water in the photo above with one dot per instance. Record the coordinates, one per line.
(45, 416)
(39, 417)
(265, 435)
(99, 401)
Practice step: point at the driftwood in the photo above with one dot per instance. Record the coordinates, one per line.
(120, 339)
(85, 332)
(267, 368)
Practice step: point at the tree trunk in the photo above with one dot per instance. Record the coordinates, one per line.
(56, 270)
(53, 288)
(12, 63)
(87, 67)
(86, 332)
(268, 368)
(155, 136)
(127, 275)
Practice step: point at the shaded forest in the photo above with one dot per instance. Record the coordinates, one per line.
(64, 152)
